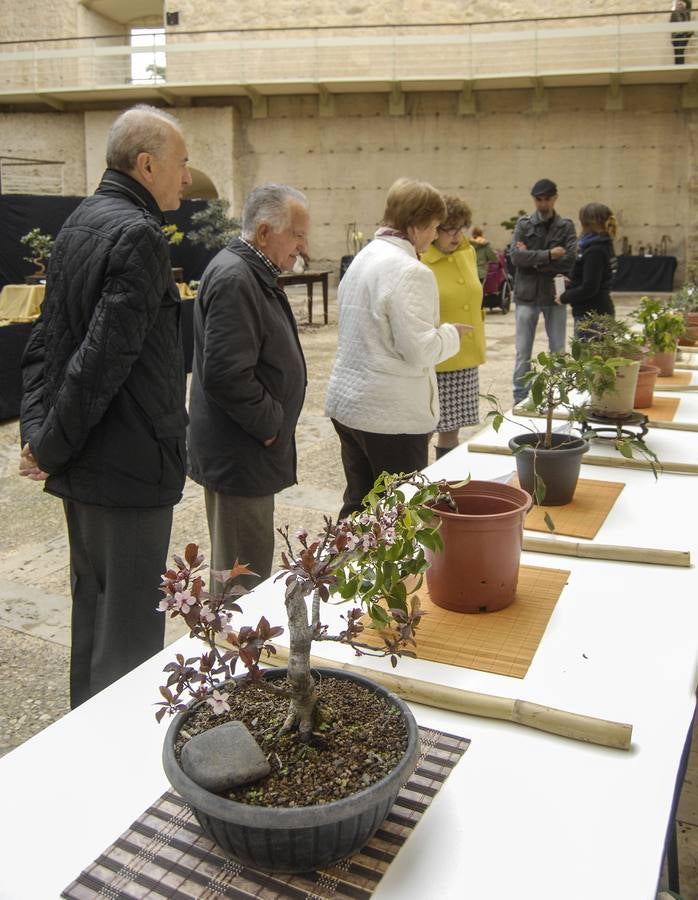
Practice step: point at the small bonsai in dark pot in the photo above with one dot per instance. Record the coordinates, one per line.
(368, 559)
(548, 462)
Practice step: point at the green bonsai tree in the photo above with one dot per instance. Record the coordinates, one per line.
(662, 324)
(213, 227)
(510, 224)
(40, 246)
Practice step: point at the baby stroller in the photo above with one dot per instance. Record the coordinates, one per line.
(497, 286)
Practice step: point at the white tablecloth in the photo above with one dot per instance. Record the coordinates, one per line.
(523, 815)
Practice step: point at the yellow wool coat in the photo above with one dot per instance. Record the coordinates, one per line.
(460, 300)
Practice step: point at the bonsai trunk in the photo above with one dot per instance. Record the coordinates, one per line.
(303, 695)
(548, 442)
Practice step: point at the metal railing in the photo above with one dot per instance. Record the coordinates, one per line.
(430, 53)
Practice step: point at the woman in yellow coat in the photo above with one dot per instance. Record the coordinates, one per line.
(452, 259)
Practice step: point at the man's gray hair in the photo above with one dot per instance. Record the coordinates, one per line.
(269, 204)
(141, 129)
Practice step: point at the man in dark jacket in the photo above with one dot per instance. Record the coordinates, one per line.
(248, 380)
(543, 245)
(103, 417)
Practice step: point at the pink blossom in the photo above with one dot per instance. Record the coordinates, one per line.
(218, 702)
(183, 601)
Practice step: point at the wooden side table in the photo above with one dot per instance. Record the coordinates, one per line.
(309, 278)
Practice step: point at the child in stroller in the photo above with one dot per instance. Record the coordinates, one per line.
(497, 286)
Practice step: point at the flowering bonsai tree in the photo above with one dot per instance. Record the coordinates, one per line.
(365, 560)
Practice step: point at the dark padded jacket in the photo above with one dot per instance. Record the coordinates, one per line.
(104, 383)
(535, 271)
(248, 380)
(591, 277)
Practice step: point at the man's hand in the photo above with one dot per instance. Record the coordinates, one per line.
(270, 441)
(461, 328)
(28, 466)
(557, 252)
(521, 246)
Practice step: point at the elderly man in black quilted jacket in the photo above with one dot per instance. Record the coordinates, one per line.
(248, 380)
(103, 417)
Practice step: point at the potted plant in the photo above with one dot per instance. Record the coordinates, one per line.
(663, 326)
(213, 227)
(40, 246)
(685, 300)
(548, 462)
(611, 354)
(335, 781)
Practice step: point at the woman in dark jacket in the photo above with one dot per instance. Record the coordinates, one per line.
(591, 276)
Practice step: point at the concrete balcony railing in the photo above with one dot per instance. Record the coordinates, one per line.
(591, 50)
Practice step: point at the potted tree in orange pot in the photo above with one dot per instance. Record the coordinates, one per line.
(662, 328)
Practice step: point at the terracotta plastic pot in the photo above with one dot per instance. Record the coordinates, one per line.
(690, 335)
(618, 402)
(644, 392)
(558, 466)
(302, 838)
(478, 568)
(665, 361)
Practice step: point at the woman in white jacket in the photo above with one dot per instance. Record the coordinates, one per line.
(382, 395)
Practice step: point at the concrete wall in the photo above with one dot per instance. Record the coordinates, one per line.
(222, 14)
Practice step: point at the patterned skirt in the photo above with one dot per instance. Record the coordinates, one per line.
(458, 398)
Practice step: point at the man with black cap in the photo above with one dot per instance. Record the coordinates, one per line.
(543, 246)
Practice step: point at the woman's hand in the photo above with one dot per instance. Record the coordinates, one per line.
(461, 328)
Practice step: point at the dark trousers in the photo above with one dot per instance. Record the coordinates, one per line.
(366, 454)
(116, 559)
(680, 41)
(241, 530)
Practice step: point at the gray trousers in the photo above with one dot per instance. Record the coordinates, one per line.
(116, 559)
(242, 529)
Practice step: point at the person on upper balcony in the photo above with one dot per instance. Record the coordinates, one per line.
(681, 12)
(543, 246)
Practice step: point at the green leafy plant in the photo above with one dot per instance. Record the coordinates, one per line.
(510, 224)
(213, 227)
(374, 559)
(663, 326)
(173, 234)
(40, 246)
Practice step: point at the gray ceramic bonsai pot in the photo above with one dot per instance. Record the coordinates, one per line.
(303, 838)
(558, 466)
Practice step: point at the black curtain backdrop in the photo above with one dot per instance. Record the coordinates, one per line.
(19, 213)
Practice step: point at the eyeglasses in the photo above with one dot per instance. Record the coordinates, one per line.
(452, 231)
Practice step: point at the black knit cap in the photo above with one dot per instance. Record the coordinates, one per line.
(544, 188)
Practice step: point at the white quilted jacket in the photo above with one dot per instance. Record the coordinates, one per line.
(383, 378)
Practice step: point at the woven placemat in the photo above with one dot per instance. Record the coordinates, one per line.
(166, 854)
(679, 378)
(582, 517)
(503, 642)
(663, 409)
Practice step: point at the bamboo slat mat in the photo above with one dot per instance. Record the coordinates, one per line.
(678, 378)
(503, 642)
(583, 517)
(166, 854)
(663, 409)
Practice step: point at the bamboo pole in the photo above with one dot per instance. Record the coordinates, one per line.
(685, 365)
(652, 423)
(617, 462)
(617, 735)
(620, 553)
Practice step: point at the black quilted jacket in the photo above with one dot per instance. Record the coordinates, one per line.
(104, 384)
(248, 381)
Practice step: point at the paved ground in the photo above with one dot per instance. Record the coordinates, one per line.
(34, 585)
